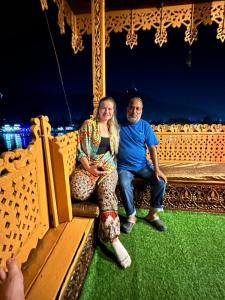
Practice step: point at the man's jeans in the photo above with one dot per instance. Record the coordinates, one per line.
(157, 188)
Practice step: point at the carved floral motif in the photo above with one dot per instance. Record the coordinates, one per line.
(187, 15)
(186, 196)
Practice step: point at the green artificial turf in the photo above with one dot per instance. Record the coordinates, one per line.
(185, 262)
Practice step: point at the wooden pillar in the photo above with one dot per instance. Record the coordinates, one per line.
(98, 50)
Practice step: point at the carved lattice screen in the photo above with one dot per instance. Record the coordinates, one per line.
(23, 200)
(191, 143)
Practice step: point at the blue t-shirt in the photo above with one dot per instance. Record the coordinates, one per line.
(134, 137)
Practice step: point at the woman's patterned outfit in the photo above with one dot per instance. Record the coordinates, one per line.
(84, 183)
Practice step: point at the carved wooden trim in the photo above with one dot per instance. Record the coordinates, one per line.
(196, 197)
(191, 143)
(186, 196)
(190, 16)
(190, 128)
(98, 50)
(44, 4)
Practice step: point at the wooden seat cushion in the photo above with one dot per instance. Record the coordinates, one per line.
(194, 171)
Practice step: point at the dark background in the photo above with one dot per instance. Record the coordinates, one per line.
(175, 86)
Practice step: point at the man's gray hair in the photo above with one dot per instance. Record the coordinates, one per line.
(135, 98)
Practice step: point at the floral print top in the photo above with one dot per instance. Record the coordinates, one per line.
(89, 138)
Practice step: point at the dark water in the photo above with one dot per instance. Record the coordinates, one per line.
(10, 141)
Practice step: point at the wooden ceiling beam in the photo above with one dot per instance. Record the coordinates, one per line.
(84, 6)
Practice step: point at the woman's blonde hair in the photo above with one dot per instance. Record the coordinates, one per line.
(112, 123)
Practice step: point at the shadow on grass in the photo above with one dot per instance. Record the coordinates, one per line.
(107, 252)
(122, 218)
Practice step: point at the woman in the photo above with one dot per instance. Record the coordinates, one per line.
(98, 143)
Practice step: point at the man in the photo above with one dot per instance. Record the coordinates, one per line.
(136, 135)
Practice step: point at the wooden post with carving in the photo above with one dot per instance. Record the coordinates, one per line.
(98, 50)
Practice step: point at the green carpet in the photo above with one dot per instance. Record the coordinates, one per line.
(185, 262)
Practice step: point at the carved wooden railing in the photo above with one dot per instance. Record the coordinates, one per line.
(191, 143)
(23, 199)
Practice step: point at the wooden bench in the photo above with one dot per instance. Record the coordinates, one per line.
(60, 157)
(38, 226)
(193, 159)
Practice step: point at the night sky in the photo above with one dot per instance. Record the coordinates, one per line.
(172, 91)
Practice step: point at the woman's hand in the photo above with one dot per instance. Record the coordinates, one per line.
(96, 170)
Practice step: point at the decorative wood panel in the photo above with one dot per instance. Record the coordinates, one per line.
(188, 16)
(23, 199)
(192, 196)
(191, 143)
(98, 49)
(67, 147)
(196, 196)
(63, 159)
(46, 131)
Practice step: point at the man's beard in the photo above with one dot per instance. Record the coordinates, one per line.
(133, 119)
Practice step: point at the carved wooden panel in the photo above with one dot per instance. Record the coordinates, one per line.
(23, 200)
(183, 195)
(98, 50)
(194, 196)
(189, 16)
(63, 158)
(191, 143)
(67, 147)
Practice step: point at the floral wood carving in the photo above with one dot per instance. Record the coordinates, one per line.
(187, 15)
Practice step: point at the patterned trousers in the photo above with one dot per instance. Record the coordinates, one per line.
(82, 186)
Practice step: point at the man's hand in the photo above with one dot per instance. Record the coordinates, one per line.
(160, 174)
(154, 158)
